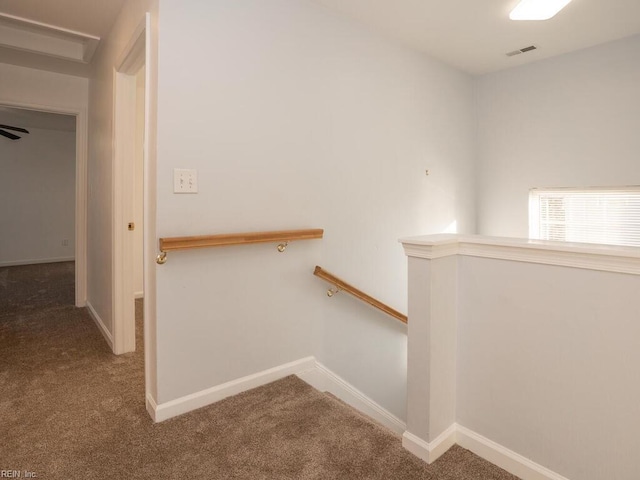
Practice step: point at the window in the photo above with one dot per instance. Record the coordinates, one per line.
(593, 215)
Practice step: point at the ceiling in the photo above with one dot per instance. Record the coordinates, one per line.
(94, 17)
(18, 117)
(472, 35)
(475, 35)
(91, 17)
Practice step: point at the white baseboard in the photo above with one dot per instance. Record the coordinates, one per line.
(308, 369)
(323, 379)
(152, 406)
(16, 263)
(491, 451)
(185, 404)
(101, 326)
(430, 451)
(501, 456)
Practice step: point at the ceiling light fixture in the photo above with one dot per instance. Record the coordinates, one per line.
(537, 9)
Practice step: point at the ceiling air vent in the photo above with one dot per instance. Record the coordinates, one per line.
(522, 50)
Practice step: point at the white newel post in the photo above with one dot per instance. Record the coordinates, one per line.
(432, 332)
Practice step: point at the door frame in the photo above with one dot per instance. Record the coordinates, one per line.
(132, 58)
(80, 186)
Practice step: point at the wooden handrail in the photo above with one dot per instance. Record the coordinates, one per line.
(203, 241)
(342, 285)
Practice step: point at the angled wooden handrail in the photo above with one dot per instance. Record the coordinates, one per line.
(341, 285)
(226, 239)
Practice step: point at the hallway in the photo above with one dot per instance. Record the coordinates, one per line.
(71, 410)
(64, 394)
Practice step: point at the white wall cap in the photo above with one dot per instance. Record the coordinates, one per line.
(608, 258)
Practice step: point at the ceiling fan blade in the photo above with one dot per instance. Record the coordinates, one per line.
(9, 135)
(17, 129)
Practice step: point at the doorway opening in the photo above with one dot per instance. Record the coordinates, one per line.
(129, 192)
(41, 209)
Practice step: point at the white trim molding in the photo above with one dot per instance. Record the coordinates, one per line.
(173, 408)
(152, 407)
(101, 326)
(491, 451)
(307, 369)
(504, 458)
(45, 39)
(431, 246)
(323, 379)
(430, 451)
(608, 258)
(15, 263)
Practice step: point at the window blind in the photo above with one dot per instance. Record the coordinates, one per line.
(592, 215)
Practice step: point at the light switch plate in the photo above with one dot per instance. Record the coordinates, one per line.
(185, 180)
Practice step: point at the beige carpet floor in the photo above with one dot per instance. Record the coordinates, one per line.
(69, 409)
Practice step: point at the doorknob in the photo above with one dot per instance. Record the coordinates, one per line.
(131, 226)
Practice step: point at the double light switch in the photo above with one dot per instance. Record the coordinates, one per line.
(185, 180)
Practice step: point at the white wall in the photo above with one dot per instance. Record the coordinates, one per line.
(37, 197)
(26, 86)
(572, 120)
(297, 118)
(547, 364)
